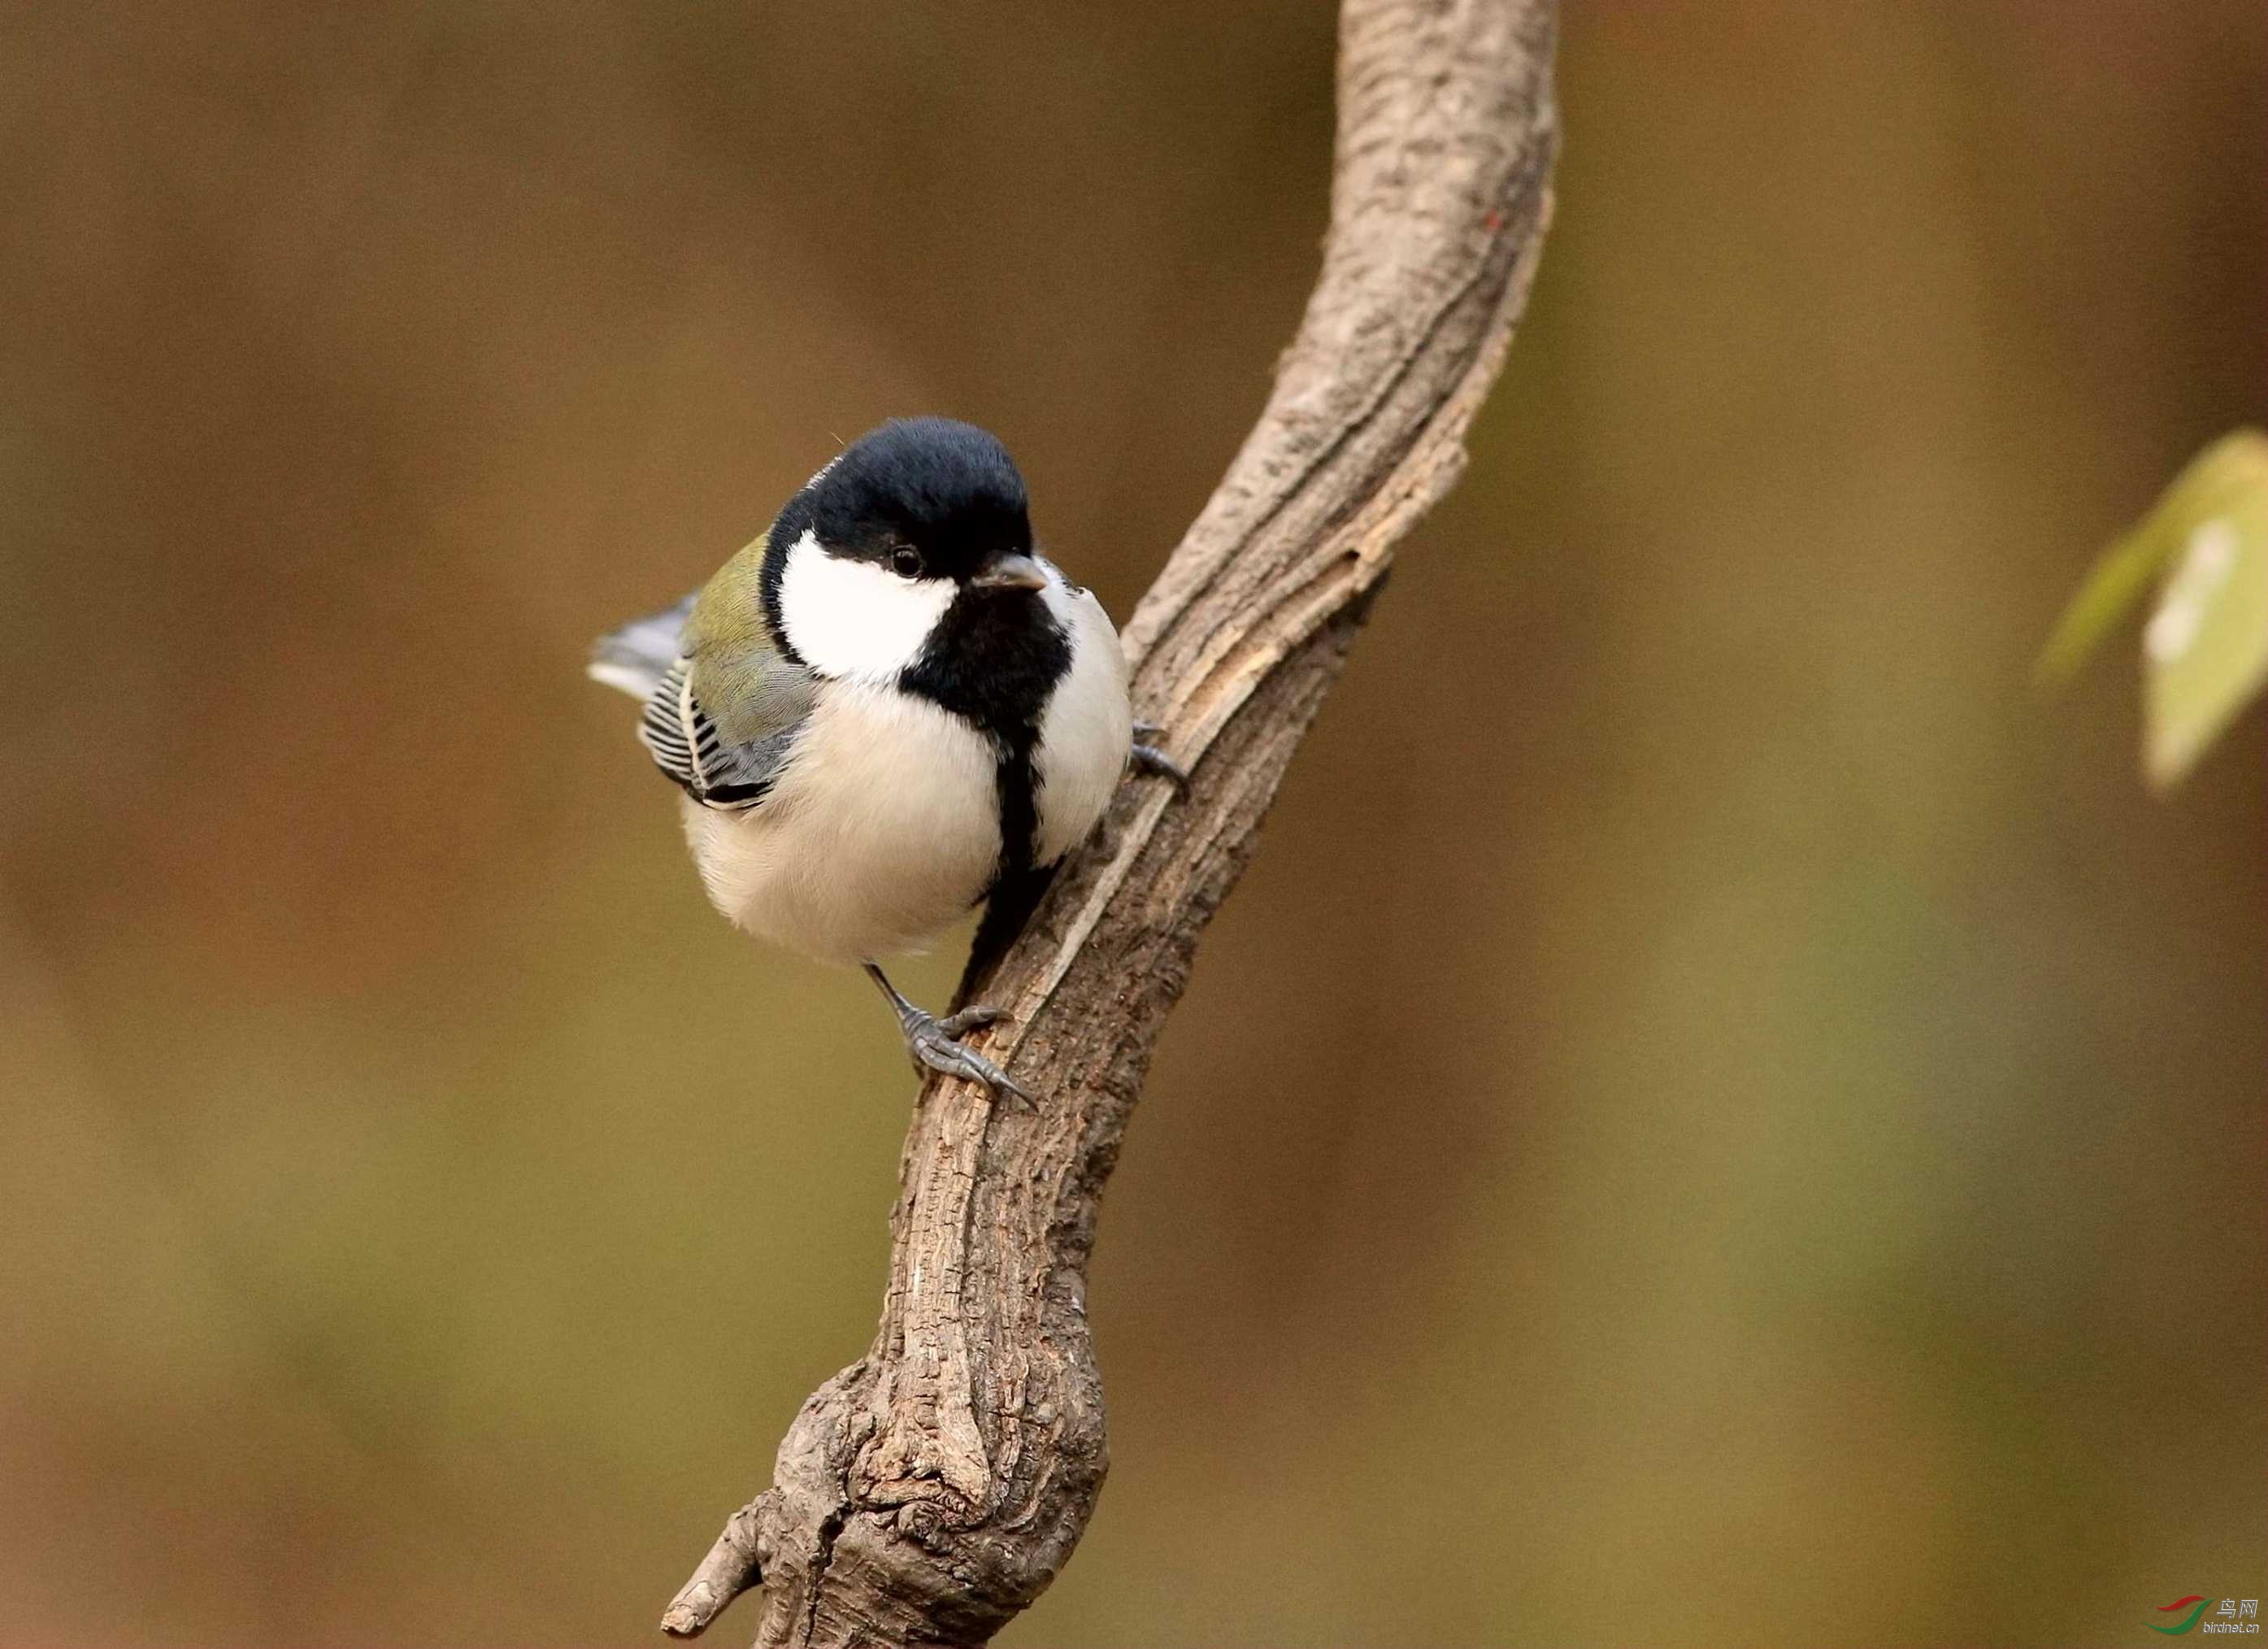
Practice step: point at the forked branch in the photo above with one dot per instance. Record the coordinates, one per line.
(929, 1491)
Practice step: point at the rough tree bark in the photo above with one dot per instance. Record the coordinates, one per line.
(929, 1491)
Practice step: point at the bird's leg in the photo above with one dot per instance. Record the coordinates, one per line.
(1147, 757)
(933, 1044)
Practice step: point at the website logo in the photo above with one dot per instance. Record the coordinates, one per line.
(2231, 1616)
(2181, 1603)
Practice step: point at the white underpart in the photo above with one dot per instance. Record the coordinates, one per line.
(855, 620)
(883, 827)
(1087, 725)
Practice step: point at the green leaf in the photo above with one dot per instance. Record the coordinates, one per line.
(2204, 651)
(2113, 586)
(2124, 570)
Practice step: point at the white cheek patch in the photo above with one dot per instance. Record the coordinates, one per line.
(855, 620)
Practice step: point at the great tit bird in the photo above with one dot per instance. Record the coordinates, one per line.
(886, 710)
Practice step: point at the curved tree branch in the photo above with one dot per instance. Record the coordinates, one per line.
(929, 1491)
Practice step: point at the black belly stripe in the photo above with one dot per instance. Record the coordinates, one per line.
(1019, 786)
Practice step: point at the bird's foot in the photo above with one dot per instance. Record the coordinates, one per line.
(935, 1044)
(1150, 759)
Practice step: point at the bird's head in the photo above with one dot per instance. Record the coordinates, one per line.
(911, 551)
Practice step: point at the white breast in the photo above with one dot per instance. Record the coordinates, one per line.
(1088, 725)
(883, 828)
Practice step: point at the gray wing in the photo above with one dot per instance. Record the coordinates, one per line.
(775, 696)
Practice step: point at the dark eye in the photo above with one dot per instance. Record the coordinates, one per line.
(906, 562)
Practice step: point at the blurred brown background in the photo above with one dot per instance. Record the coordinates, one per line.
(1717, 1118)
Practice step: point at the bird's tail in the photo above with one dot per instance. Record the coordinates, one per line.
(635, 657)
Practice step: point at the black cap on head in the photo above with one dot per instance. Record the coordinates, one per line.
(946, 490)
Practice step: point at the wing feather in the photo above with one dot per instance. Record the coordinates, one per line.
(685, 745)
(718, 642)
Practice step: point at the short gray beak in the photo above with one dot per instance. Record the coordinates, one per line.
(1010, 572)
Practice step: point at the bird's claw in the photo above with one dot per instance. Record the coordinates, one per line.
(970, 1019)
(1150, 759)
(935, 1045)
